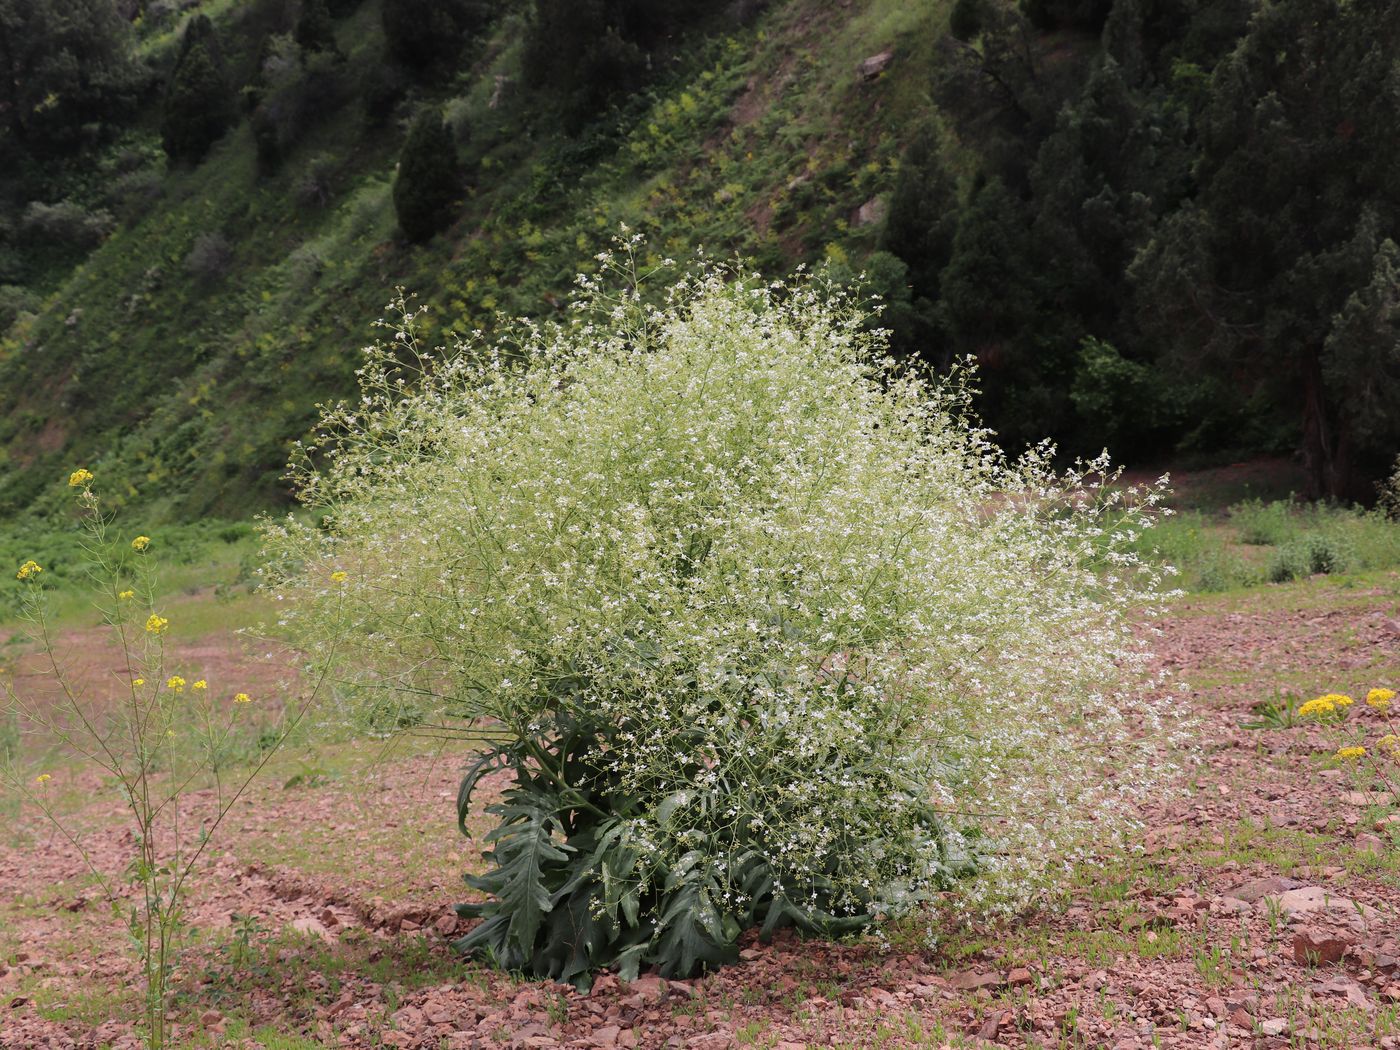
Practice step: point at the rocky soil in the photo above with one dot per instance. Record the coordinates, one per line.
(1259, 907)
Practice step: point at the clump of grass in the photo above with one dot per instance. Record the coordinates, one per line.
(1262, 524)
(1253, 542)
(1312, 554)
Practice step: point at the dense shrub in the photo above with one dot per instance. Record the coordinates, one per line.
(68, 223)
(429, 182)
(427, 36)
(14, 301)
(1311, 555)
(745, 615)
(199, 104)
(210, 257)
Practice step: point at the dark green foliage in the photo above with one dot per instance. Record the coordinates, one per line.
(65, 65)
(994, 309)
(314, 29)
(1088, 15)
(199, 106)
(573, 889)
(965, 20)
(588, 52)
(1297, 190)
(427, 36)
(919, 231)
(429, 181)
(1361, 364)
(295, 90)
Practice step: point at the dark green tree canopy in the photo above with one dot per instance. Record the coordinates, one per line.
(199, 106)
(428, 185)
(63, 64)
(427, 36)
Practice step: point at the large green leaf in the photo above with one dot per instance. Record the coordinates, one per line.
(524, 847)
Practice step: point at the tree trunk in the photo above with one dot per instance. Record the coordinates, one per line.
(1326, 447)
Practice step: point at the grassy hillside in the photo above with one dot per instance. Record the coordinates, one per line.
(181, 358)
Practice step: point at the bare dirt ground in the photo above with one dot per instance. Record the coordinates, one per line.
(1260, 906)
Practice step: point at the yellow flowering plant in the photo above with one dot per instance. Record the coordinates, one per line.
(1366, 734)
(153, 737)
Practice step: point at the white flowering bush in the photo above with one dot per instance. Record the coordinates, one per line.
(763, 630)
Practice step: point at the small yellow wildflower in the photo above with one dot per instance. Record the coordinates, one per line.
(201, 684)
(138, 681)
(1390, 744)
(156, 624)
(42, 778)
(29, 570)
(1380, 698)
(1323, 705)
(242, 698)
(140, 543)
(81, 476)
(126, 596)
(1337, 699)
(175, 683)
(1351, 752)
(339, 576)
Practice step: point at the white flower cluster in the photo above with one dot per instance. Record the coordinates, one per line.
(808, 599)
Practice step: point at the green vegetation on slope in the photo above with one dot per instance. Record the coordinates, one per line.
(1065, 190)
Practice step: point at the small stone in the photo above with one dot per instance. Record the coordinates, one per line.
(446, 925)
(872, 212)
(1273, 1026)
(1019, 976)
(606, 1036)
(651, 989)
(1216, 1006)
(1240, 1017)
(1310, 899)
(991, 1026)
(971, 981)
(210, 1017)
(1319, 947)
(873, 66)
(1251, 891)
(1368, 843)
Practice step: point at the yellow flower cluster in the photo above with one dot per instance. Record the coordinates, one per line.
(200, 685)
(1323, 705)
(140, 543)
(156, 624)
(242, 698)
(42, 778)
(29, 570)
(1380, 698)
(1350, 752)
(339, 576)
(175, 684)
(79, 478)
(126, 596)
(138, 681)
(1390, 744)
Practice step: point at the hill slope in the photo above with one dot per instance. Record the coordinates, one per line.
(189, 349)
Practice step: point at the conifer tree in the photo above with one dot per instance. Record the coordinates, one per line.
(199, 107)
(427, 36)
(314, 29)
(428, 182)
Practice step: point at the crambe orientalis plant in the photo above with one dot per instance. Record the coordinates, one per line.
(761, 629)
(162, 735)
